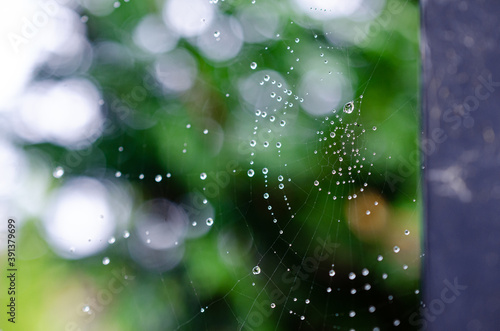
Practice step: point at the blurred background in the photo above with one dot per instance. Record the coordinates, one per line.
(211, 165)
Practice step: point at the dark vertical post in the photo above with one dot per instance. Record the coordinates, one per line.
(461, 147)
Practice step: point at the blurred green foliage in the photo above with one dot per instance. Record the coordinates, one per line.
(384, 69)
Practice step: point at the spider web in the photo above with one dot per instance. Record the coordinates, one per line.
(331, 279)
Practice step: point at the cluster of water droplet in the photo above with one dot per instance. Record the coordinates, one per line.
(343, 157)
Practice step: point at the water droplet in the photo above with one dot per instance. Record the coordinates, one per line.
(308, 301)
(264, 171)
(316, 183)
(126, 234)
(371, 309)
(396, 249)
(349, 107)
(118, 174)
(331, 273)
(256, 270)
(253, 143)
(352, 275)
(105, 261)
(253, 65)
(111, 240)
(365, 272)
(297, 40)
(332, 134)
(380, 258)
(203, 176)
(58, 172)
(328, 289)
(352, 313)
(302, 318)
(407, 232)
(273, 305)
(266, 195)
(250, 173)
(266, 78)
(282, 123)
(158, 178)
(210, 221)
(216, 34)
(86, 309)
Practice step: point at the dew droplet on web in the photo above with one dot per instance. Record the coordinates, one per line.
(158, 178)
(58, 172)
(253, 65)
(250, 173)
(396, 249)
(352, 275)
(105, 261)
(210, 221)
(203, 176)
(349, 107)
(256, 270)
